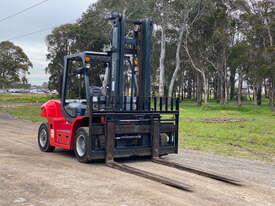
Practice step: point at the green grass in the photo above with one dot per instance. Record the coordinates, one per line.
(25, 98)
(31, 113)
(253, 137)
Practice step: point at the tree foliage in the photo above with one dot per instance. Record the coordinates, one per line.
(201, 48)
(14, 65)
(61, 42)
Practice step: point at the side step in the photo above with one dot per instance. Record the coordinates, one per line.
(150, 176)
(215, 176)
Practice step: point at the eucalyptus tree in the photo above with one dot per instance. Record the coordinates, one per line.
(162, 13)
(207, 45)
(185, 14)
(61, 42)
(196, 44)
(240, 60)
(14, 64)
(258, 28)
(221, 40)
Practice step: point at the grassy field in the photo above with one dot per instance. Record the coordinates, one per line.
(31, 113)
(246, 131)
(24, 98)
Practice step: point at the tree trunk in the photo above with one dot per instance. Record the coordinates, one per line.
(259, 93)
(240, 88)
(182, 93)
(248, 93)
(218, 87)
(209, 90)
(255, 95)
(222, 89)
(225, 87)
(265, 85)
(178, 61)
(270, 91)
(225, 92)
(194, 87)
(161, 63)
(273, 93)
(189, 89)
(215, 87)
(224, 74)
(198, 89)
(200, 71)
(205, 86)
(269, 32)
(232, 84)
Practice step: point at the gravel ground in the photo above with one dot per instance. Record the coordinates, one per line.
(30, 177)
(247, 170)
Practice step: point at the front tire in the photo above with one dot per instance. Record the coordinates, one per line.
(80, 144)
(44, 139)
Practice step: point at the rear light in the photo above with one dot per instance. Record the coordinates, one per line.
(43, 112)
(136, 62)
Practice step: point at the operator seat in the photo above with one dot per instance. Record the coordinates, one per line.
(78, 107)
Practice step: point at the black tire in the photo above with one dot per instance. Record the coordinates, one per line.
(80, 144)
(43, 139)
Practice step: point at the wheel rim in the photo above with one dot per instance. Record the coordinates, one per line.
(43, 138)
(81, 145)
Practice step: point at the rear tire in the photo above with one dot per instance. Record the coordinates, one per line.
(80, 144)
(43, 139)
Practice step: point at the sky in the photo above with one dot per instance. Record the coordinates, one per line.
(48, 15)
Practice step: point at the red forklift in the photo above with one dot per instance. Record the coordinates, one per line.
(113, 115)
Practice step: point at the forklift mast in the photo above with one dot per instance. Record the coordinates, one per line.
(135, 48)
(126, 115)
(139, 48)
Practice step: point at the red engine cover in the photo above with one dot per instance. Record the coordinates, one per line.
(61, 131)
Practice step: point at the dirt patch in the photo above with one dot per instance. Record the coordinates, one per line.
(217, 120)
(264, 156)
(223, 120)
